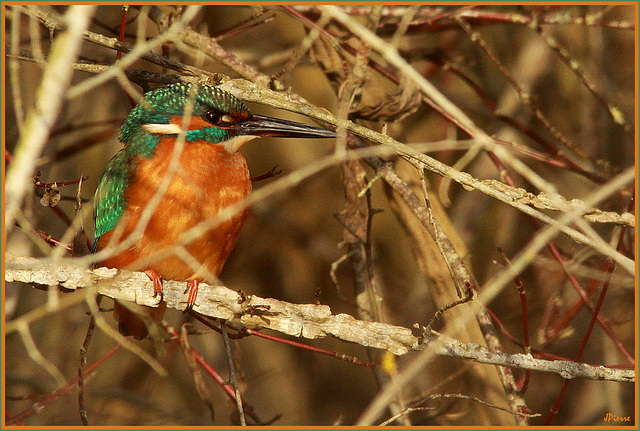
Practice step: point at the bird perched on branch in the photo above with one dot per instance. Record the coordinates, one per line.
(211, 125)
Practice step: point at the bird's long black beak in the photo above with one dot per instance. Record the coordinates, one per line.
(259, 125)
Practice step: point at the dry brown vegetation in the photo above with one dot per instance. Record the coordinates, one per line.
(484, 160)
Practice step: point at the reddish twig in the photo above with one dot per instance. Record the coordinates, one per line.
(60, 392)
(226, 386)
(432, 19)
(55, 208)
(594, 317)
(253, 21)
(552, 150)
(123, 25)
(8, 418)
(583, 345)
(84, 144)
(573, 280)
(524, 96)
(39, 183)
(535, 352)
(525, 321)
(51, 240)
(83, 363)
(243, 332)
(583, 295)
(274, 172)
(553, 333)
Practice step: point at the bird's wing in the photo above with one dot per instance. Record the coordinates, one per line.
(109, 202)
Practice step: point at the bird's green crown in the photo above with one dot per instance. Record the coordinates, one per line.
(175, 100)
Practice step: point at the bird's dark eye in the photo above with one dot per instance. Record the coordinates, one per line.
(213, 116)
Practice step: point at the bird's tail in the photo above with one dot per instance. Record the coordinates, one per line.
(136, 324)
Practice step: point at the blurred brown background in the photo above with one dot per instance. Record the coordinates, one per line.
(289, 242)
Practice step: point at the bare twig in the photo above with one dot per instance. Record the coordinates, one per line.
(40, 120)
(83, 364)
(232, 375)
(198, 379)
(65, 389)
(416, 406)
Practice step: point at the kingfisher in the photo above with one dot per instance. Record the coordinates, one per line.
(211, 175)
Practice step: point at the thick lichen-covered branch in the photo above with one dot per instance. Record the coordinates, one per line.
(298, 320)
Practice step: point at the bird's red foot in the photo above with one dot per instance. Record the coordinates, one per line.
(157, 282)
(192, 290)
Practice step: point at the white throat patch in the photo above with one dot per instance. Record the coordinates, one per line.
(236, 142)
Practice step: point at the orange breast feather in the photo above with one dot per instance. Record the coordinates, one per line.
(207, 180)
